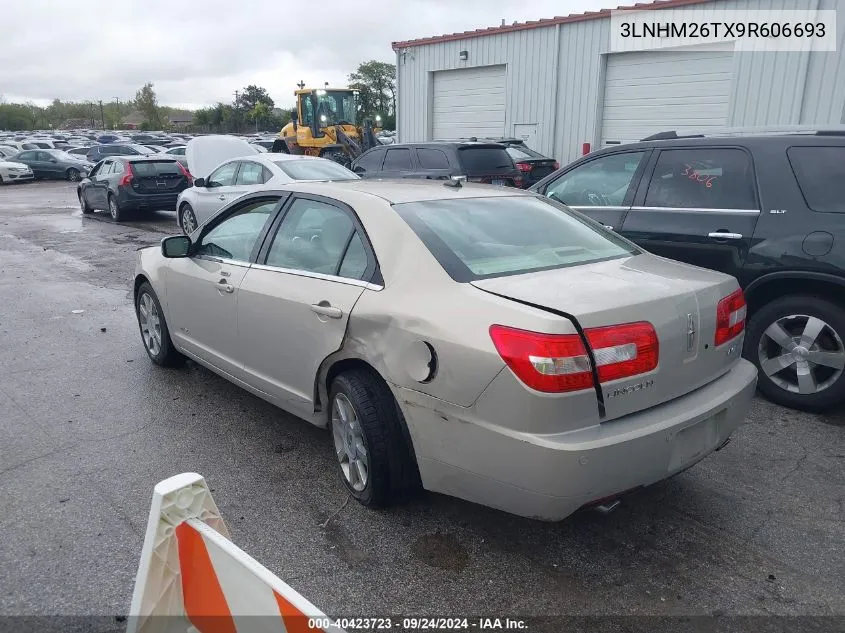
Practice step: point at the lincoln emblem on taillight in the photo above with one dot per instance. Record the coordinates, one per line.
(690, 332)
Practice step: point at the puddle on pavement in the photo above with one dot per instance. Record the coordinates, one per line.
(61, 223)
(442, 551)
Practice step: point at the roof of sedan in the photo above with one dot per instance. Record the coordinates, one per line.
(404, 190)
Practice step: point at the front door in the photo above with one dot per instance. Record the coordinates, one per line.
(601, 187)
(203, 289)
(699, 205)
(217, 191)
(295, 303)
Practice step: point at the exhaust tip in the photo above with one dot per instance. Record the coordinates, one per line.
(607, 508)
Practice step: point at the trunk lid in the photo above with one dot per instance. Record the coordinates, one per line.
(679, 300)
(163, 176)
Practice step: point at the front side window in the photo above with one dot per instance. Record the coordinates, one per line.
(702, 179)
(250, 174)
(477, 238)
(820, 172)
(314, 237)
(371, 161)
(235, 237)
(223, 176)
(602, 182)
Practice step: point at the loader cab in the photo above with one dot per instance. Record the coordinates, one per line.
(318, 109)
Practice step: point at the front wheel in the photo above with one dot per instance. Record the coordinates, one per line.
(83, 204)
(797, 344)
(154, 332)
(72, 175)
(187, 219)
(376, 463)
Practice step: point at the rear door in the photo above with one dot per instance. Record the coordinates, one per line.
(398, 163)
(698, 205)
(433, 163)
(602, 187)
(251, 176)
(295, 302)
(30, 157)
(98, 198)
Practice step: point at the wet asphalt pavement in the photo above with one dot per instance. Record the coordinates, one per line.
(88, 426)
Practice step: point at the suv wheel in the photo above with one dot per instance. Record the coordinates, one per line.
(797, 344)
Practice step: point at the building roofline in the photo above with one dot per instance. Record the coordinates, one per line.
(536, 24)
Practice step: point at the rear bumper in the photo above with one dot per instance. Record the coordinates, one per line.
(152, 202)
(549, 477)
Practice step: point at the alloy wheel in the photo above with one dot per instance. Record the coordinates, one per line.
(113, 208)
(72, 175)
(801, 354)
(349, 444)
(150, 322)
(189, 221)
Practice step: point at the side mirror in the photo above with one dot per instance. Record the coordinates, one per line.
(199, 182)
(176, 246)
(53, 160)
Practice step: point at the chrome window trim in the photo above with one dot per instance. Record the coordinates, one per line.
(223, 260)
(579, 207)
(697, 210)
(305, 273)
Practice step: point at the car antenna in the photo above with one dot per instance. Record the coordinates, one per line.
(456, 182)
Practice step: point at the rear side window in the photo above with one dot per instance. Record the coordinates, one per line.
(481, 161)
(820, 172)
(477, 238)
(432, 158)
(702, 179)
(250, 174)
(305, 169)
(399, 158)
(153, 168)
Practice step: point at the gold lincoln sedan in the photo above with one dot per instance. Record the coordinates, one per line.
(477, 341)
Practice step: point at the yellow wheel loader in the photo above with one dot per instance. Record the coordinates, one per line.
(324, 125)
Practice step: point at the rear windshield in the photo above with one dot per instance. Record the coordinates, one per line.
(485, 160)
(152, 168)
(478, 238)
(520, 152)
(315, 170)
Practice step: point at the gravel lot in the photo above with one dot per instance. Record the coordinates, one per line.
(88, 425)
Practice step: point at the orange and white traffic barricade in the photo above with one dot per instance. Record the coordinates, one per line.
(193, 579)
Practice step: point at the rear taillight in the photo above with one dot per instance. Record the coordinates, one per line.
(730, 317)
(559, 363)
(185, 172)
(523, 167)
(128, 176)
(557, 165)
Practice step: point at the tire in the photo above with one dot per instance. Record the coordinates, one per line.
(186, 211)
(72, 175)
(117, 214)
(793, 380)
(391, 471)
(83, 204)
(1, 181)
(154, 332)
(339, 157)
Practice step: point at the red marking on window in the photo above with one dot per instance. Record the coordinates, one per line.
(691, 173)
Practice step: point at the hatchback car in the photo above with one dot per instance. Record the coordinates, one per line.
(123, 185)
(480, 341)
(243, 170)
(479, 162)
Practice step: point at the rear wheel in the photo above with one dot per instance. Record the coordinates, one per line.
(117, 214)
(72, 175)
(797, 344)
(375, 462)
(187, 219)
(154, 332)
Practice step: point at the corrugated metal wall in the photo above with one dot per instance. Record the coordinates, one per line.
(555, 80)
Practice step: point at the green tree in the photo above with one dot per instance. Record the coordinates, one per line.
(376, 85)
(259, 114)
(251, 96)
(146, 101)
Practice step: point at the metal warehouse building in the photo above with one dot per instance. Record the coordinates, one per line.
(554, 83)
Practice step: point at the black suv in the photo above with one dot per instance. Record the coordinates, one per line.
(769, 210)
(479, 162)
(135, 183)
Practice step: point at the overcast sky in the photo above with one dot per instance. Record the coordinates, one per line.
(197, 52)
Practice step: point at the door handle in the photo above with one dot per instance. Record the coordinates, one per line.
(224, 286)
(221, 197)
(724, 235)
(326, 309)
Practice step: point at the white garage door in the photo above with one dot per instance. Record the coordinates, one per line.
(657, 91)
(469, 102)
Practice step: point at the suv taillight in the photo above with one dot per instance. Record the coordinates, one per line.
(730, 317)
(127, 177)
(557, 363)
(523, 167)
(185, 172)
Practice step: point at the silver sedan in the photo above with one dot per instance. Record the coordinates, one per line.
(477, 341)
(238, 176)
